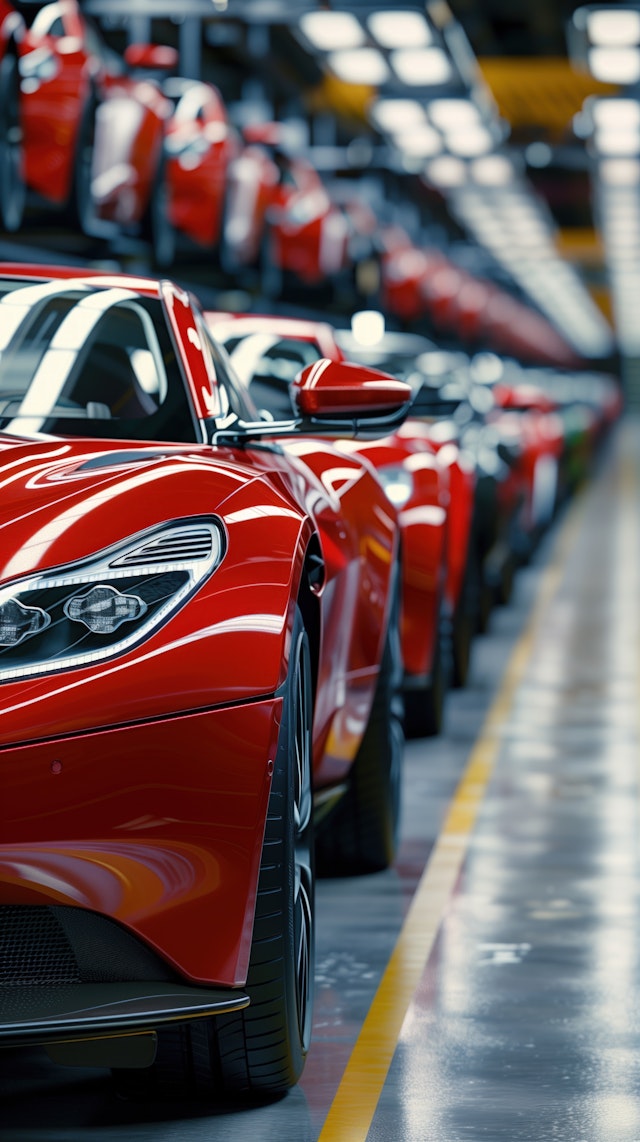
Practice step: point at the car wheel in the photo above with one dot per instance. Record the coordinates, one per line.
(424, 705)
(80, 210)
(465, 622)
(361, 834)
(12, 188)
(261, 1049)
(157, 226)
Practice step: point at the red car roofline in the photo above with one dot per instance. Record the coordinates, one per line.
(149, 286)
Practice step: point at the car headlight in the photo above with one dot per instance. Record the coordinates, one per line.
(397, 483)
(100, 607)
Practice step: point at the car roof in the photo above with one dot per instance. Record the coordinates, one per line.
(37, 272)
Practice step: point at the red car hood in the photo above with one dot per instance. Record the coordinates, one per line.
(62, 500)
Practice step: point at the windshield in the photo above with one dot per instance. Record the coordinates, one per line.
(267, 365)
(84, 360)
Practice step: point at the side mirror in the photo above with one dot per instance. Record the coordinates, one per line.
(347, 398)
(152, 57)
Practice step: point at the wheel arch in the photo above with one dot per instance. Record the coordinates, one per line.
(311, 580)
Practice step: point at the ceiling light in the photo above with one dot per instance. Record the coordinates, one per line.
(396, 114)
(329, 31)
(492, 170)
(469, 141)
(446, 171)
(614, 27)
(619, 172)
(449, 114)
(614, 114)
(422, 141)
(368, 326)
(400, 29)
(615, 65)
(617, 142)
(363, 65)
(422, 67)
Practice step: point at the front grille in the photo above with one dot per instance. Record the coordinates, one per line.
(34, 948)
(58, 945)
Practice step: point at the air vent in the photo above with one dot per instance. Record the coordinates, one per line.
(184, 545)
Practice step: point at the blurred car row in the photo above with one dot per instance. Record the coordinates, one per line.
(113, 139)
(477, 472)
(122, 146)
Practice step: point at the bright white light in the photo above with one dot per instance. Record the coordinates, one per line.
(493, 170)
(420, 141)
(422, 67)
(446, 171)
(616, 114)
(620, 172)
(451, 114)
(615, 65)
(617, 142)
(470, 141)
(397, 114)
(363, 65)
(486, 368)
(329, 31)
(617, 27)
(368, 326)
(400, 29)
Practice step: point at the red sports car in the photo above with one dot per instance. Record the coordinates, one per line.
(198, 640)
(200, 146)
(267, 353)
(12, 188)
(94, 126)
(281, 216)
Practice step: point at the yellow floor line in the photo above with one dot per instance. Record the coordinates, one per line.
(354, 1105)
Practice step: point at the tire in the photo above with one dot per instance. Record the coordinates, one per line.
(361, 835)
(157, 227)
(424, 705)
(466, 621)
(80, 210)
(261, 1050)
(12, 187)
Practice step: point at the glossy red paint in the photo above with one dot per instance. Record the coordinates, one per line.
(323, 388)
(530, 418)
(307, 233)
(251, 181)
(11, 26)
(279, 211)
(201, 144)
(78, 96)
(461, 477)
(147, 831)
(136, 781)
(425, 501)
(128, 153)
(59, 72)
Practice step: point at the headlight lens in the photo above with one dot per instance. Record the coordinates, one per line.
(397, 483)
(96, 609)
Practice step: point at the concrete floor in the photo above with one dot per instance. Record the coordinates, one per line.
(486, 986)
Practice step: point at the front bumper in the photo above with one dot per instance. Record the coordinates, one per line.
(118, 1016)
(155, 829)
